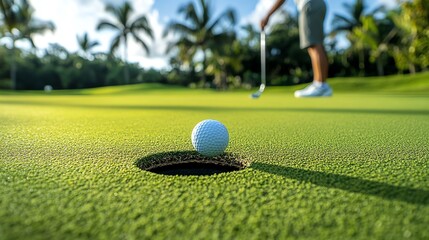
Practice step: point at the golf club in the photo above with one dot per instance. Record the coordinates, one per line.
(258, 93)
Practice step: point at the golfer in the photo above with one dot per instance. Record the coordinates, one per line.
(311, 18)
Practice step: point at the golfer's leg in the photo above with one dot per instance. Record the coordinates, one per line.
(319, 62)
(311, 34)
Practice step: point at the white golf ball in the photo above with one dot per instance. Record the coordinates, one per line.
(210, 138)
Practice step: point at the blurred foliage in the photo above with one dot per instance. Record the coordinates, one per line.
(63, 70)
(412, 22)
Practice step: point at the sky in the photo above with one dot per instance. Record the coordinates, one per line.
(75, 17)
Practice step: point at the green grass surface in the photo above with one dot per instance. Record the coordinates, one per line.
(354, 166)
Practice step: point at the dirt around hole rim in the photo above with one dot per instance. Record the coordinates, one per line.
(177, 158)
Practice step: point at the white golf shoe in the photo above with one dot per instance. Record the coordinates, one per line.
(313, 90)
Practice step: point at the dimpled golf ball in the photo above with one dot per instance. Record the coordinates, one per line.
(210, 138)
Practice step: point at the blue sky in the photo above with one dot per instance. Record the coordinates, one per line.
(245, 8)
(75, 17)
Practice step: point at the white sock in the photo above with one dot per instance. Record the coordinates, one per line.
(318, 84)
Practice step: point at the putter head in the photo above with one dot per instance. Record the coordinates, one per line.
(258, 93)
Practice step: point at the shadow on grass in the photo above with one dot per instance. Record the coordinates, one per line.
(223, 109)
(347, 183)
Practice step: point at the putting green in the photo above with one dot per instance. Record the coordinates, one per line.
(354, 166)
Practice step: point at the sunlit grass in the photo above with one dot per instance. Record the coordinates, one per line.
(352, 166)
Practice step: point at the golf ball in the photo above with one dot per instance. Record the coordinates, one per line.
(210, 138)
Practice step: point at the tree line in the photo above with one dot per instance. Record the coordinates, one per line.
(208, 50)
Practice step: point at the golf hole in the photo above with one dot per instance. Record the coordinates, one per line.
(191, 163)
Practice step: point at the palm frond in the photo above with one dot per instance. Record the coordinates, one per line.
(142, 24)
(125, 13)
(85, 43)
(141, 42)
(31, 41)
(228, 15)
(180, 28)
(93, 44)
(341, 19)
(112, 9)
(105, 24)
(190, 13)
(206, 11)
(358, 10)
(41, 27)
(115, 43)
(377, 10)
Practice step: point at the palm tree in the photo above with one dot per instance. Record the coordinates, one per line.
(124, 28)
(200, 28)
(19, 24)
(224, 56)
(85, 44)
(353, 18)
